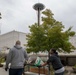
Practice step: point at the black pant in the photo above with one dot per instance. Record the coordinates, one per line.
(16, 71)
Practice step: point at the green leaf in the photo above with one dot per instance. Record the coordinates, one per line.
(50, 34)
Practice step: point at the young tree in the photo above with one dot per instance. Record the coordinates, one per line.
(50, 34)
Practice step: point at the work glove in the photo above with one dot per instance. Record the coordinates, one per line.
(6, 68)
(25, 63)
(39, 66)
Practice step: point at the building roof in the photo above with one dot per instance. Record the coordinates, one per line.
(12, 32)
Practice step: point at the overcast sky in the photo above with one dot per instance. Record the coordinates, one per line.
(19, 14)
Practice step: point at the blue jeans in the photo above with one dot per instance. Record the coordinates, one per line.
(16, 71)
(62, 73)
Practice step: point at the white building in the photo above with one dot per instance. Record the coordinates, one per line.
(9, 39)
(73, 41)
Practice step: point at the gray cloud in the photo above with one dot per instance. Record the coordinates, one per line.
(19, 14)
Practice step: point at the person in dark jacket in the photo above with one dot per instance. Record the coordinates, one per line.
(56, 63)
(16, 58)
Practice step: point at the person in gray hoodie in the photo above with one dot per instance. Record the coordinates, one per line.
(16, 58)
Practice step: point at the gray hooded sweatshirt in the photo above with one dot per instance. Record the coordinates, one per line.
(16, 57)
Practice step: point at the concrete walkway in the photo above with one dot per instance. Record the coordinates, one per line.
(3, 72)
(69, 69)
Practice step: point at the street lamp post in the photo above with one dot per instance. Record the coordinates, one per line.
(38, 7)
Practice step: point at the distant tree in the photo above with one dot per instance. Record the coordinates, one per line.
(50, 34)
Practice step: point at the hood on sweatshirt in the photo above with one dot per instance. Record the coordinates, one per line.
(18, 46)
